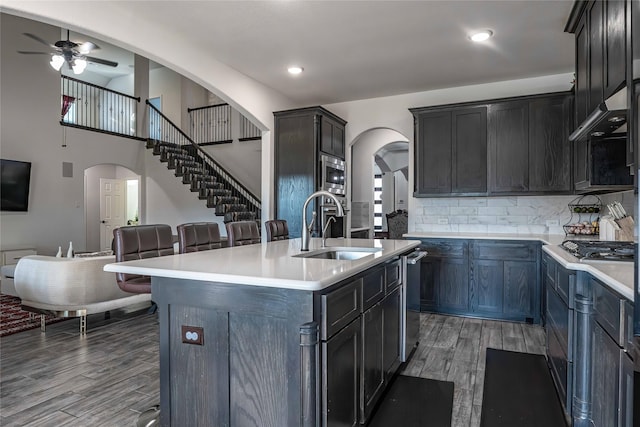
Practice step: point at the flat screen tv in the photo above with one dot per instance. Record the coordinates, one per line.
(14, 185)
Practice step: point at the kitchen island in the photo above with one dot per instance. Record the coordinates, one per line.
(259, 336)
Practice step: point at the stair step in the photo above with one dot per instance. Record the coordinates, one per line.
(240, 216)
(214, 201)
(223, 208)
(205, 193)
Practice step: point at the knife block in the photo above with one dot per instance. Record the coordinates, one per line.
(627, 226)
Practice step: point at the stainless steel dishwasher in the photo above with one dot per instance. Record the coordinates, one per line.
(411, 303)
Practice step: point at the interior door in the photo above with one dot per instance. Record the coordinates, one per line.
(112, 209)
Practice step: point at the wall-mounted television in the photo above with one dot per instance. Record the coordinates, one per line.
(14, 185)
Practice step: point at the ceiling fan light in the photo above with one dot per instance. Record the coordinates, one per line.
(78, 66)
(56, 62)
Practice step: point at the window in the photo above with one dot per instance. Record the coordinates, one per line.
(377, 203)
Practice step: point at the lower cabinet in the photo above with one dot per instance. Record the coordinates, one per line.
(359, 359)
(341, 377)
(482, 278)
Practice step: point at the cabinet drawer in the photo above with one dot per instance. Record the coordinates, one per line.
(504, 250)
(561, 371)
(372, 288)
(445, 248)
(566, 285)
(392, 276)
(340, 307)
(607, 307)
(12, 256)
(560, 322)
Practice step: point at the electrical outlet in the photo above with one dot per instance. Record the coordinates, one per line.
(552, 223)
(443, 221)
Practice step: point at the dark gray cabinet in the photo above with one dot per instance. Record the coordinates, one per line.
(600, 28)
(504, 279)
(372, 359)
(481, 278)
(391, 332)
(451, 150)
(341, 377)
(332, 136)
(529, 151)
(511, 146)
(300, 136)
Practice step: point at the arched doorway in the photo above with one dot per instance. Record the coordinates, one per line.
(391, 175)
(112, 199)
(364, 150)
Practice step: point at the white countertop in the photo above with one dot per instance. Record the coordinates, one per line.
(267, 264)
(618, 275)
(547, 239)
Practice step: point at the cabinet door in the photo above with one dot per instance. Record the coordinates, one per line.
(487, 286)
(372, 367)
(581, 166)
(626, 391)
(469, 150)
(582, 79)
(453, 284)
(550, 120)
(509, 145)
(341, 377)
(391, 332)
(614, 46)
(520, 297)
(605, 378)
(595, 26)
(433, 153)
(332, 137)
(429, 278)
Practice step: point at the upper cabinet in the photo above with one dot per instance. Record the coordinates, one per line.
(512, 146)
(332, 136)
(600, 28)
(451, 151)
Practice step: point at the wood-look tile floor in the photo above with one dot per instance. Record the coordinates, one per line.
(109, 376)
(454, 349)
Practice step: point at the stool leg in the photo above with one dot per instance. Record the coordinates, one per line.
(43, 324)
(83, 325)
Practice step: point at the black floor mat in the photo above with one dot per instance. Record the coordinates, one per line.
(414, 402)
(519, 391)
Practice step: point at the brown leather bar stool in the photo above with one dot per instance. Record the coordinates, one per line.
(140, 242)
(198, 236)
(277, 229)
(241, 233)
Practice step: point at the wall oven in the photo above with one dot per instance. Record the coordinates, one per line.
(328, 210)
(332, 174)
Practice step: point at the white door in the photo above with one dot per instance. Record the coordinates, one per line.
(112, 209)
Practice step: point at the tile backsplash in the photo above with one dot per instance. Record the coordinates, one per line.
(518, 214)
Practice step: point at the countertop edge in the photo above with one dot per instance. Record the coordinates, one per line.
(571, 263)
(304, 285)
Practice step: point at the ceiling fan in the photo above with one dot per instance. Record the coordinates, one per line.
(75, 55)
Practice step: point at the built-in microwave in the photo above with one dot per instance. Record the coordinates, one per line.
(332, 174)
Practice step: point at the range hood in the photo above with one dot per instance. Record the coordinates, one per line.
(608, 119)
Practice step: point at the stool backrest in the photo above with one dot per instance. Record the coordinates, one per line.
(277, 229)
(198, 236)
(241, 233)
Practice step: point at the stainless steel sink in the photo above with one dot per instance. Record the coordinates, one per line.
(339, 253)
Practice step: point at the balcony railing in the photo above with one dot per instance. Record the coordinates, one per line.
(88, 106)
(213, 124)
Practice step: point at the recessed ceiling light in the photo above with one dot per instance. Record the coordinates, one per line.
(294, 69)
(481, 36)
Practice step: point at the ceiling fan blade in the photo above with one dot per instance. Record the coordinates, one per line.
(101, 61)
(33, 53)
(87, 47)
(38, 39)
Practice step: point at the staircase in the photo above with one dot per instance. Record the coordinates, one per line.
(197, 169)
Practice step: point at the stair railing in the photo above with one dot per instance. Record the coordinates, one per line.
(211, 124)
(161, 128)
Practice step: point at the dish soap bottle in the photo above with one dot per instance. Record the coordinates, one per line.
(59, 254)
(70, 250)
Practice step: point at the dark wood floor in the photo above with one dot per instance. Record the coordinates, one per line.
(109, 376)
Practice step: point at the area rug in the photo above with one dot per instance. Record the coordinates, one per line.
(519, 391)
(415, 402)
(13, 319)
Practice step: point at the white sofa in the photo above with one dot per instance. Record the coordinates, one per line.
(70, 287)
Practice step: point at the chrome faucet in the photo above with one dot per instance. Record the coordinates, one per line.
(324, 230)
(306, 229)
